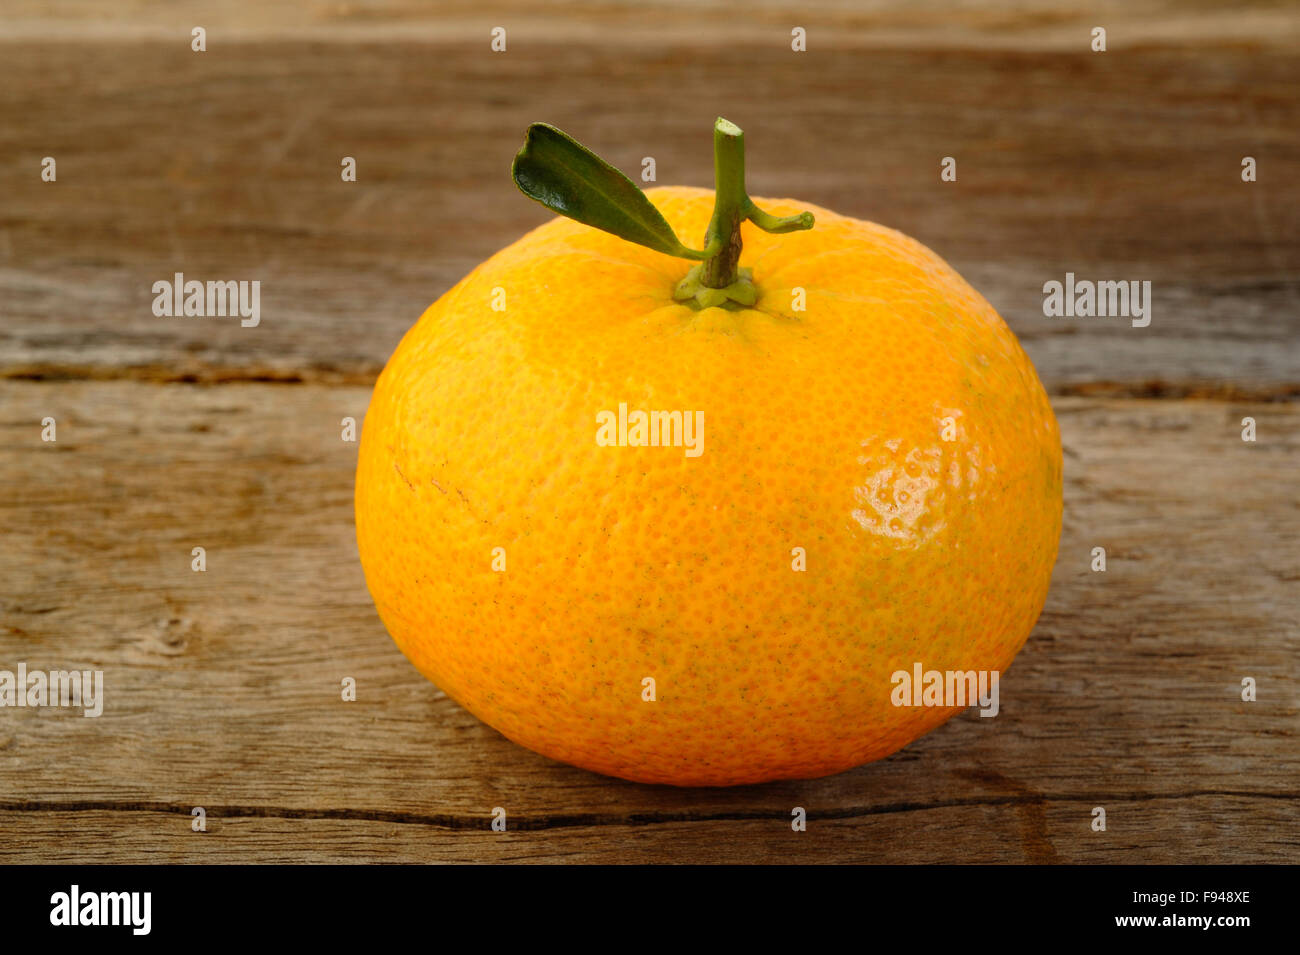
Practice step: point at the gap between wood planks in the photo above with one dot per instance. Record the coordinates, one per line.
(588, 820)
(364, 376)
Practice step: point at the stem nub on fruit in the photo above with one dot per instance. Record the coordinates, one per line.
(566, 177)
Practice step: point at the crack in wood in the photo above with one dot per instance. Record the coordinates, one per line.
(635, 819)
(362, 376)
(1179, 390)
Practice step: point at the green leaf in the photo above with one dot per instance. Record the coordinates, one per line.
(568, 178)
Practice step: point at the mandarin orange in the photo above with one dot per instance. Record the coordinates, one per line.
(878, 485)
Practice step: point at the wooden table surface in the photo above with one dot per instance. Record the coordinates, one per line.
(222, 688)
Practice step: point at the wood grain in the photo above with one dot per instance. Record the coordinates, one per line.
(940, 24)
(223, 687)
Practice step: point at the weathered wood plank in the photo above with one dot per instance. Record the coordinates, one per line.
(1012, 24)
(1124, 165)
(222, 688)
(1171, 831)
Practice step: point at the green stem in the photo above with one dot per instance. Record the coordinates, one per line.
(719, 281)
(731, 206)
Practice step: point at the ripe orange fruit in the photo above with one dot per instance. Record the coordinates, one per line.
(892, 429)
